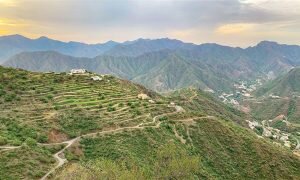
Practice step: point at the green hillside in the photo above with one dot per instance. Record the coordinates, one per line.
(279, 97)
(276, 107)
(285, 85)
(104, 130)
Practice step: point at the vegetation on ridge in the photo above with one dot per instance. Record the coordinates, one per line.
(104, 127)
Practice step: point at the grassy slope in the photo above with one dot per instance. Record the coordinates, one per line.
(287, 87)
(55, 107)
(284, 85)
(226, 150)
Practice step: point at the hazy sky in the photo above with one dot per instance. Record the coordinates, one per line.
(230, 22)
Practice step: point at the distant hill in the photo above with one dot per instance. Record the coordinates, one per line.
(160, 71)
(285, 85)
(166, 64)
(141, 46)
(14, 44)
(279, 98)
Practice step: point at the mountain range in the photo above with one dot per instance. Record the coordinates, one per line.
(14, 44)
(163, 64)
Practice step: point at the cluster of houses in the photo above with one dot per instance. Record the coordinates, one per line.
(271, 132)
(228, 99)
(84, 71)
(245, 89)
(78, 71)
(274, 96)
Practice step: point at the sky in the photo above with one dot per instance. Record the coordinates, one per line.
(230, 22)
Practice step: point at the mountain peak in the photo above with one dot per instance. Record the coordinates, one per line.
(267, 43)
(43, 38)
(14, 36)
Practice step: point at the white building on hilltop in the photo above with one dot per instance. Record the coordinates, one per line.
(78, 71)
(96, 78)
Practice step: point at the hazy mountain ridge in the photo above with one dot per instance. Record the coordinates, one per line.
(176, 71)
(11, 45)
(141, 46)
(286, 85)
(166, 64)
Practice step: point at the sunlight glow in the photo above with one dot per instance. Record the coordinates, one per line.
(8, 3)
(234, 28)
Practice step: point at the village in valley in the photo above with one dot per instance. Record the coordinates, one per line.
(244, 91)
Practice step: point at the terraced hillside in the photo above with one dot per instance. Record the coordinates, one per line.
(50, 108)
(69, 126)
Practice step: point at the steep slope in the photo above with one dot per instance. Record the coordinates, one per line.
(153, 63)
(175, 72)
(161, 71)
(278, 102)
(141, 46)
(280, 97)
(270, 56)
(285, 85)
(14, 44)
(92, 123)
(46, 61)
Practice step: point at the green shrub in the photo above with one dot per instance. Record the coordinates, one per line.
(31, 142)
(9, 97)
(3, 141)
(56, 108)
(16, 142)
(42, 138)
(164, 118)
(137, 112)
(2, 92)
(44, 100)
(102, 97)
(109, 109)
(49, 97)
(259, 130)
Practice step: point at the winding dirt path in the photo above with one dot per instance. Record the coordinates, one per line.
(7, 148)
(193, 96)
(61, 160)
(59, 155)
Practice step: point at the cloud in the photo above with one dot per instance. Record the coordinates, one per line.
(141, 13)
(101, 20)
